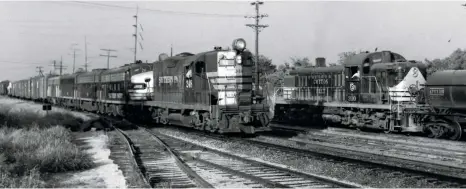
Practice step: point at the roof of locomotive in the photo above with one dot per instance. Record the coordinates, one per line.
(187, 59)
(393, 65)
(358, 59)
(70, 76)
(93, 72)
(310, 70)
(124, 68)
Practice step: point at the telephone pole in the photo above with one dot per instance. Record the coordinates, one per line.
(58, 66)
(108, 56)
(171, 50)
(257, 27)
(61, 65)
(54, 65)
(40, 70)
(135, 35)
(74, 55)
(85, 54)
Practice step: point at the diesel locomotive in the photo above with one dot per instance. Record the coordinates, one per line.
(374, 90)
(209, 91)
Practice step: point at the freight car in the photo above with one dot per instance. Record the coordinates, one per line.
(378, 90)
(5, 87)
(441, 107)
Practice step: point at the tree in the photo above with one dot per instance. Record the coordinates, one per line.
(344, 55)
(456, 61)
(299, 62)
(265, 68)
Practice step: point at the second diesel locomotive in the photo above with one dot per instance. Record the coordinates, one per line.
(377, 90)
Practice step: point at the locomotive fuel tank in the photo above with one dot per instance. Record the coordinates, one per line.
(447, 89)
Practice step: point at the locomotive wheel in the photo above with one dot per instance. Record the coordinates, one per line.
(456, 131)
(443, 129)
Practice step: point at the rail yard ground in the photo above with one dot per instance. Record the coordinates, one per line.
(39, 150)
(105, 158)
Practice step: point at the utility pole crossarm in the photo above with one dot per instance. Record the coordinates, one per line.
(108, 56)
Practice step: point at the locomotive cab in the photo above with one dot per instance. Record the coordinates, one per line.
(367, 78)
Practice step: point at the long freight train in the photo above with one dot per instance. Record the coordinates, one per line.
(208, 91)
(376, 90)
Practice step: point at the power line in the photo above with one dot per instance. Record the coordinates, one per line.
(257, 27)
(158, 10)
(108, 56)
(16, 62)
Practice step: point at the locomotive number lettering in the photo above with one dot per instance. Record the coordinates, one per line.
(437, 91)
(320, 81)
(321, 91)
(189, 83)
(239, 70)
(351, 98)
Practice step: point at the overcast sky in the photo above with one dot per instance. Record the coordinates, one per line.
(36, 33)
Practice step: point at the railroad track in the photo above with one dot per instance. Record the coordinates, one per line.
(404, 168)
(185, 165)
(161, 167)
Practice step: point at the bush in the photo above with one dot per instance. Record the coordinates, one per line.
(31, 144)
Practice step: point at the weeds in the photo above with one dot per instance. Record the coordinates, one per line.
(32, 145)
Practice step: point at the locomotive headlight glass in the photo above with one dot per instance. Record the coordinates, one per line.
(239, 44)
(238, 59)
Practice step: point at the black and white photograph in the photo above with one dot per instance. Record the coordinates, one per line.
(232, 94)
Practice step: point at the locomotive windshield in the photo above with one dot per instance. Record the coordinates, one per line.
(138, 86)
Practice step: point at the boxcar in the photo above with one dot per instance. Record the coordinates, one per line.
(39, 88)
(53, 89)
(4, 87)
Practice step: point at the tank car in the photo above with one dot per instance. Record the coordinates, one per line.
(208, 91)
(441, 107)
(367, 91)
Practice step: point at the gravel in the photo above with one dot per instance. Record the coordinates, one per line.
(339, 170)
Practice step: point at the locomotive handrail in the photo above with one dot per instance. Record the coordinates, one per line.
(301, 92)
(376, 82)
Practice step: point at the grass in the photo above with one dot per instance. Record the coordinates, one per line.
(25, 119)
(32, 145)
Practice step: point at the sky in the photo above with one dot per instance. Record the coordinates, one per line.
(36, 33)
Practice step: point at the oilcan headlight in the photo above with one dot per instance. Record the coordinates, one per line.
(238, 59)
(239, 44)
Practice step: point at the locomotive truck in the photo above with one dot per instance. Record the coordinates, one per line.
(374, 90)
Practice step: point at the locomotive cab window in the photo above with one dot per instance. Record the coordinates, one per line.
(354, 72)
(366, 67)
(200, 67)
